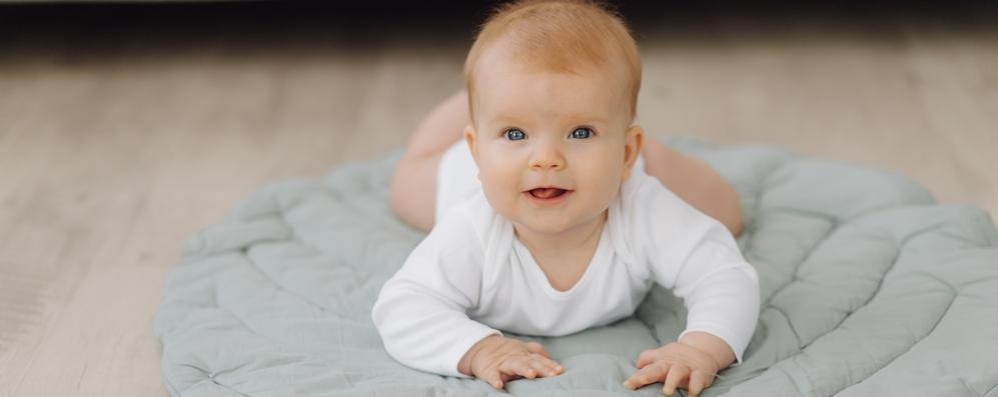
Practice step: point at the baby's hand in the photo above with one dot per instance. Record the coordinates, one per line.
(677, 365)
(498, 360)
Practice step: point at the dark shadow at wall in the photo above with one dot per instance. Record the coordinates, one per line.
(26, 26)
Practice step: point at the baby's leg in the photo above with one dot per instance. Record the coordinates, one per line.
(695, 182)
(414, 183)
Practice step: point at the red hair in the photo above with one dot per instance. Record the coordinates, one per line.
(557, 36)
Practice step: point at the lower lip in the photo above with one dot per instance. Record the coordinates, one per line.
(548, 201)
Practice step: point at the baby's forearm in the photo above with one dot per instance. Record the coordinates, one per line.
(716, 347)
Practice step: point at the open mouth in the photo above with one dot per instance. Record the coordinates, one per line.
(547, 193)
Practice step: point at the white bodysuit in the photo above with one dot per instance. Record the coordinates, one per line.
(471, 277)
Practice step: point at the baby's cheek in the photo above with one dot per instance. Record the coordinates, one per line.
(606, 188)
(494, 181)
(499, 192)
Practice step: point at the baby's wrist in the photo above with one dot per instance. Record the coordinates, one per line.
(466, 365)
(714, 346)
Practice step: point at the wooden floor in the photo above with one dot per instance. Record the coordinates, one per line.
(112, 151)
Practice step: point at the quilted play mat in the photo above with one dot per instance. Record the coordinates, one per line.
(869, 288)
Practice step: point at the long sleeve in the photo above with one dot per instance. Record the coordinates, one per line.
(421, 311)
(696, 257)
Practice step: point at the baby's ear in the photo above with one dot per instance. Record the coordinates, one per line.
(469, 138)
(633, 143)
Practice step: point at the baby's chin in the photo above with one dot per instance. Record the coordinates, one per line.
(549, 225)
(541, 226)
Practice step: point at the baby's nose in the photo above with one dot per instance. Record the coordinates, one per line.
(547, 159)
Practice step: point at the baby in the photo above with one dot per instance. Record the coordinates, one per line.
(562, 229)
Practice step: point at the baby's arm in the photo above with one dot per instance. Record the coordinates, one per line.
(421, 314)
(699, 260)
(421, 311)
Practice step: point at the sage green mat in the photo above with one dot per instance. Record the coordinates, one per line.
(869, 288)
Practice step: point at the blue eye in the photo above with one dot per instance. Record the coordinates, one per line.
(514, 134)
(582, 133)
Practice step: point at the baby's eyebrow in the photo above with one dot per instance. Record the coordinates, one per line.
(507, 119)
(572, 120)
(586, 119)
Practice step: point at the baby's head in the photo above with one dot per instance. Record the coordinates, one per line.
(558, 36)
(552, 90)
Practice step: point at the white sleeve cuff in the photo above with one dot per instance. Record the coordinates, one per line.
(736, 344)
(468, 335)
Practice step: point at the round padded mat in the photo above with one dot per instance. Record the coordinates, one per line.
(868, 286)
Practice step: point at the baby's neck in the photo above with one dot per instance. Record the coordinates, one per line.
(545, 245)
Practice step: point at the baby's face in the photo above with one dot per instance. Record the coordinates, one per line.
(552, 148)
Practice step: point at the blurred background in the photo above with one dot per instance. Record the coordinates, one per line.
(126, 127)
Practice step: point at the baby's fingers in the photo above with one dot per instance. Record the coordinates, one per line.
(536, 348)
(492, 377)
(545, 366)
(645, 376)
(646, 357)
(699, 380)
(520, 366)
(677, 374)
